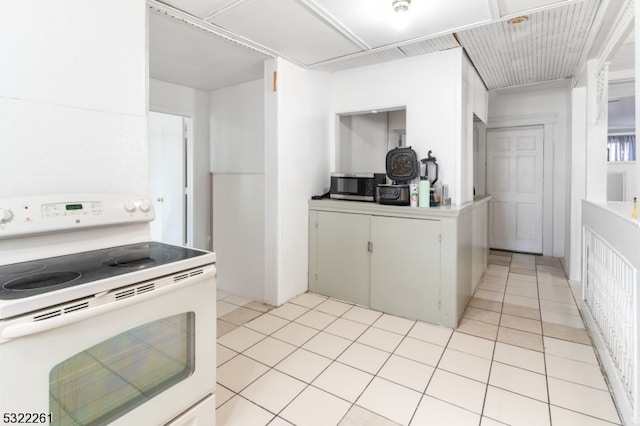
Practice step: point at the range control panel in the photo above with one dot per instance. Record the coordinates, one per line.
(55, 213)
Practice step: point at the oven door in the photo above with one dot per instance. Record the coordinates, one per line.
(145, 357)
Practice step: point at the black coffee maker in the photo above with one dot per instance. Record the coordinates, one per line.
(431, 174)
(402, 168)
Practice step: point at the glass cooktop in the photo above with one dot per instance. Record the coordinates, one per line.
(30, 278)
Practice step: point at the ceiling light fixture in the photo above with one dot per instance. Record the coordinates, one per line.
(518, 20)
(401, 5)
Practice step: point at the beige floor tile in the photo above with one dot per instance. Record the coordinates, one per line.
(513, 409)
(472, 345)
(303, 365)
(519, 357)
(522, 277)
(497, 270)
(494, 296)
(343, 381)
(279, 421)
(431, 333)
(315, 319)
(556, 293)
(520, 338)
(457, 390)
(432, 411)
(259, 306)
(223, 354)
(499, 260)
(261, 391)
(574, 321)
(464, 364)
(222, 395)
(240, 372)
(289, 311)
(570, 350)
(483, 315)
(489, 286)
(223, 308)
(575, 371)
(406, 372)
(240, 412)
(221, 294)
(269, 351)
(237, 300)
(333, 307)
(390, 400)
(362, 315)
(523, 270)
(492, 279)
(240, 339)
(559, 307)
(572, 334)
(521, 311)
(346, 328)
(267, 324)
(561, 416)
(529, 302)
(520, 323)
(419, 350)
(309, 300)
(364, 357)
(294, 333)
(477, 328)
(381, 339)
(518, 380)
(583, 399)
(315, 407)
(485, 304)
(223, 327)
(486, 421)
(240, 316)
(327, 345)
(358, 416)
(394, 324)
(520, 290)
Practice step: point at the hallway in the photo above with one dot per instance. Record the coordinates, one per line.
(520, 356)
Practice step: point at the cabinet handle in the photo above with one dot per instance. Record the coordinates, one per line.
(370, 247)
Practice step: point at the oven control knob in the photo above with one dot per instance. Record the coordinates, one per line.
(145, 207)
(129, 206)
(5, 215)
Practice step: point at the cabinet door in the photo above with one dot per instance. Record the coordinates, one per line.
(343, 256)
(405, 267)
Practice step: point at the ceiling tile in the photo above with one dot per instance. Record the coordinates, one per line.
(182, 54)
(431, 45)
(377, 24)
(511, 7)
(367, 58)
(287, 27)
(547, 47)
(199, 8)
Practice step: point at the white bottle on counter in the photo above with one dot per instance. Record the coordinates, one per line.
(424, 193)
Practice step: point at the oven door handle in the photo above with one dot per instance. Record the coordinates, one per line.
(24, 329)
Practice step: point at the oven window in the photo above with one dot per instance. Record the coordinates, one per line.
(104, 382)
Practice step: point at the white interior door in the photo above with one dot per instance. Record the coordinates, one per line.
(167, 174)
(515, 180)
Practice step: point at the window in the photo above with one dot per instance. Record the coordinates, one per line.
(621, 148)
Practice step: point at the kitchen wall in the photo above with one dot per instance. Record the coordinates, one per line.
(73, 97)
(179, 100)
(297, 167)
(238, 166)
(429, 86)
(541, 102)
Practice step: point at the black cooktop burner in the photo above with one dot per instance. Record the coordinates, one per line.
(26, 279)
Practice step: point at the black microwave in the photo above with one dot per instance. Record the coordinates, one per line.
(356, 186)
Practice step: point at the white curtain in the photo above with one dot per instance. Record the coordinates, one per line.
(621, 148)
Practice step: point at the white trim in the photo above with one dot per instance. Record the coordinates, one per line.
(547, 121)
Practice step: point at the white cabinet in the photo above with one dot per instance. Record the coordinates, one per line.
(415, 263)
(342, 256)
(405, 267)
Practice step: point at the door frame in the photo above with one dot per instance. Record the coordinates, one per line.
(188, 190)
(548, 122)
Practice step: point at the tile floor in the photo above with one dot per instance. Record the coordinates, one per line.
(520, 356)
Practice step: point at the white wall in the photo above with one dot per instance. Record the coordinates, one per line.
(629, 170)
(543, 101)
(179, 100)
(238, 165)
(73, 97)
(297, 167)
(426, 85)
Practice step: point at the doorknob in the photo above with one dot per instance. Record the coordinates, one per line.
(160, 199)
